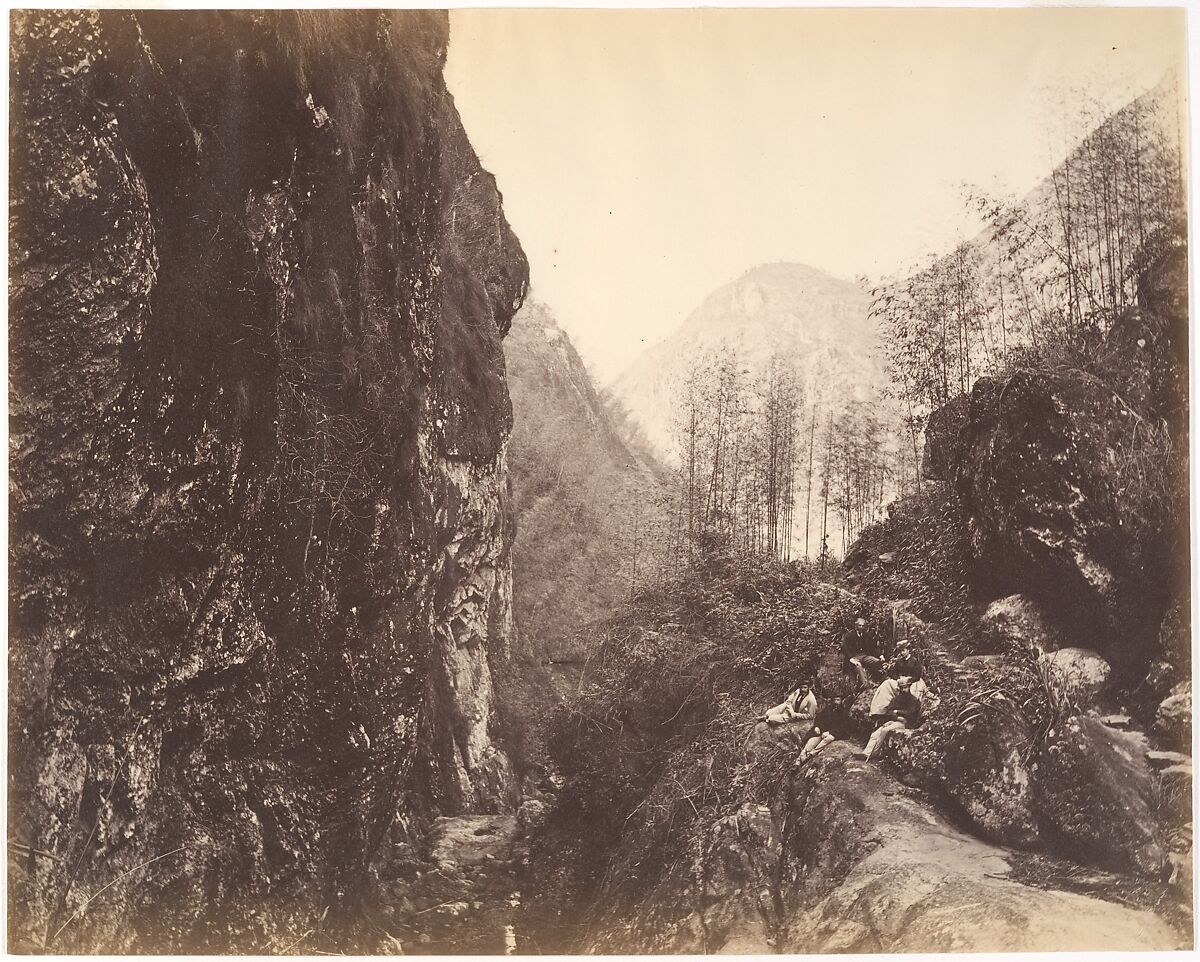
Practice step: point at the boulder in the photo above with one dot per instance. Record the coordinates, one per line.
(987, 775)
(941, 439)
(1173, 720)
(789, 736)
(1151, 690)
(1052, 508)
(879, 872)
(1175, 638)
(1075, 678)
(531, 815)
(1017, 623)
(1095, 788)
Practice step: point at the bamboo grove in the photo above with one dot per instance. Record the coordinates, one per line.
(771, 467)
(1048, 269)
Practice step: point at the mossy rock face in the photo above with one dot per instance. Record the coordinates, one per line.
(1096, 792)
(1050, 505)
(987, 775)
(258, 525)
(938, 457)
(1070, 481)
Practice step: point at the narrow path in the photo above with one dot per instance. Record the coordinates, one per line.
(461, 895)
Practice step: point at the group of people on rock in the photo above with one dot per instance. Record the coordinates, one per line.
(902, 696)
(901, 699)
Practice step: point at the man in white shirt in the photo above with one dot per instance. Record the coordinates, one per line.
(788, 710)
(895, 707)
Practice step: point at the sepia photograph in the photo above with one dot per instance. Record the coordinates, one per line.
(598, 481)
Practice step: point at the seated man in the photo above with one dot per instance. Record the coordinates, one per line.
(788, 710)
(861, 649)
(894, 708)
(903, 660)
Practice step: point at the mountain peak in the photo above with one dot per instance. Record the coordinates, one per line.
(819, 323)
(791, 302)
(788, 272)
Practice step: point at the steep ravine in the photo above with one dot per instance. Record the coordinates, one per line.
(1039, 585)
(259, 558)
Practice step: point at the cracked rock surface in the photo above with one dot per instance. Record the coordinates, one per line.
(259, 522)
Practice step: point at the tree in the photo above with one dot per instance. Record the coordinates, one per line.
(1054, 265)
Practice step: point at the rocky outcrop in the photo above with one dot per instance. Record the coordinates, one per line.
(942, 427)
(1096, 789)
(1049, 501)
(907, 881)
(259, 531)
(854, 862)
(1069, 476)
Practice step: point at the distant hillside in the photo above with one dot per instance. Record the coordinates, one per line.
(588, 501)
(820, 322)
(1057, 265)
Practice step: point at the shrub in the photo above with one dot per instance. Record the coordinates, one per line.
(655, 748)
(930, 562)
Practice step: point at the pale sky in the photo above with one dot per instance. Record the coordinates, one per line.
(648, 156)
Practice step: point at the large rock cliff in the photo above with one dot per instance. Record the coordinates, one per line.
(1072, 476)
(259, 523)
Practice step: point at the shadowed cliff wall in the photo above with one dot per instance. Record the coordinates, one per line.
(259, 546)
